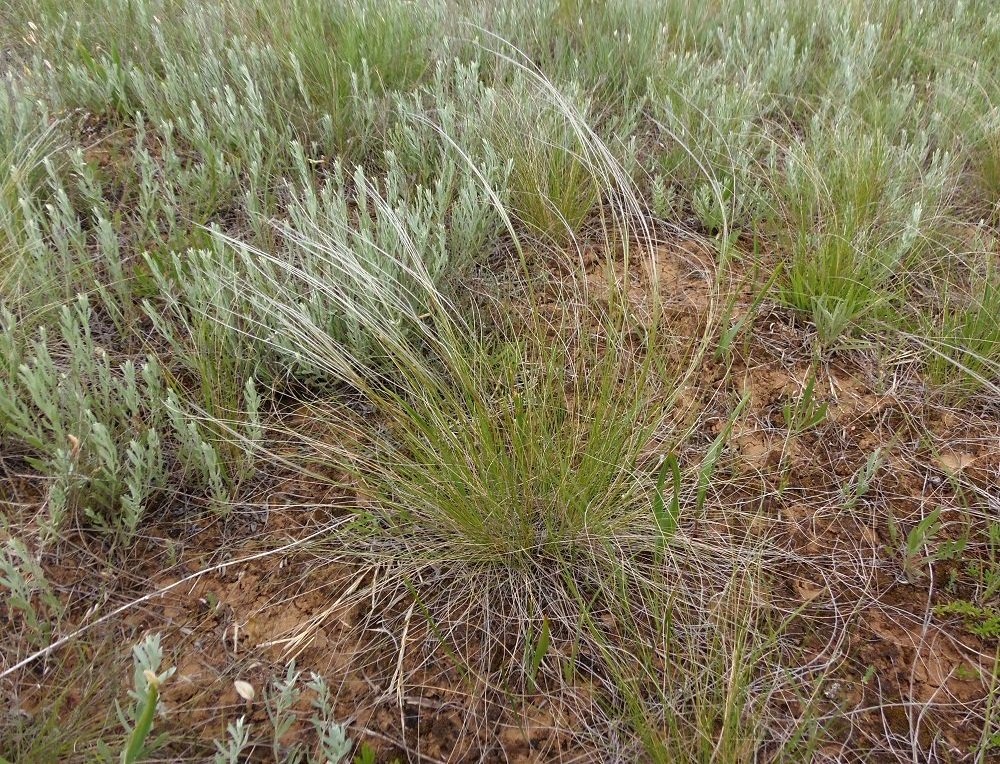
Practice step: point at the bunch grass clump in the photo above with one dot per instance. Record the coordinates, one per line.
(963, 356)
(551, 185)
(519, 456)
(860, 212)
(349, 57)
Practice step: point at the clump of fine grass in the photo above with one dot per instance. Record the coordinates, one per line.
(24, 146)
(858, 211)
(963, 353)
(349, 56)
(498, 446)
(519, 454)
(552, 188)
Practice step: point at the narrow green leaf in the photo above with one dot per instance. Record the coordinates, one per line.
(541, 648)
(666, 518)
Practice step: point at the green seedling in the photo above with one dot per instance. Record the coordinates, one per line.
(869, 674)
(538, 653)
(913, 553)
(733, 328)
(862, 480)
(667, 515)
(805, 413)
(144, 723)
(984, 622)
(707, 468)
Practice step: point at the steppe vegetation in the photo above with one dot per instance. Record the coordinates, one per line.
(571, 380)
